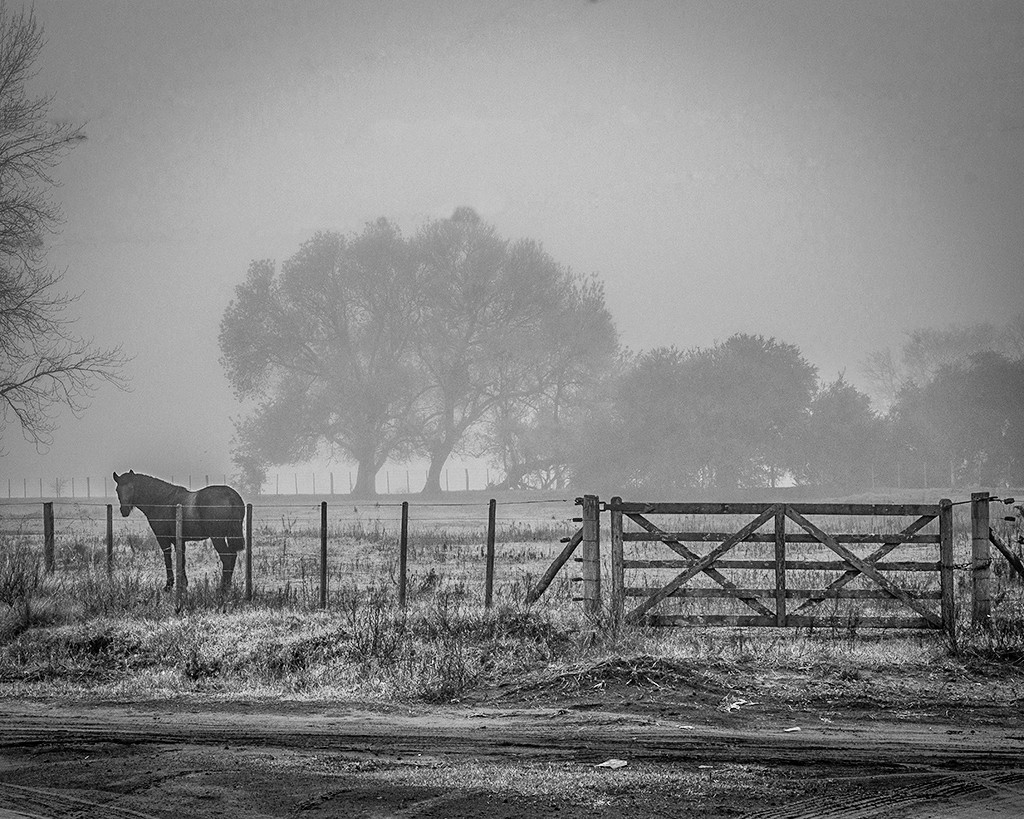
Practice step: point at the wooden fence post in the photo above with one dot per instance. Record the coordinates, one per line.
(981, 560)
(110, 539)
(48, 550)
(780, 567)
(618, 567)
(403, 554)
(946, 567)
(489, 577)
(248, 553)
(323, 554)
(180, 581)
(591, 555)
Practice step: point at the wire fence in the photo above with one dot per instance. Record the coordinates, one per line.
(328, 553)
(446, 546)
(397, 481)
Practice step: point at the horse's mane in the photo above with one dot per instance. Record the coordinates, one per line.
(150, 490)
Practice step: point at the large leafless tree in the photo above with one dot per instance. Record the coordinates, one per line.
(44, 364)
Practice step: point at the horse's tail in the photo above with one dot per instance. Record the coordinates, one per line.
(236, 542)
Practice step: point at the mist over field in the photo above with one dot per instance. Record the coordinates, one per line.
(658, 246)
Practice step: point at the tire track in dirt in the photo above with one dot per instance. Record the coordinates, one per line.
(987, 792)
(45, 802)
(879, 768)
(510, 740)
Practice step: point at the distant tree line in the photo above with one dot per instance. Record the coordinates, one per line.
(377, 347)
(751, 411)
(963, 410)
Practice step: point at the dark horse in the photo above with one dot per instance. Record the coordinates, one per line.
(214, 512)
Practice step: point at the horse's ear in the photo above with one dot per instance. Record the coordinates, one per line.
(131, 471)
(116, 477)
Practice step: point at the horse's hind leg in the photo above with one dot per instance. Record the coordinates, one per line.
(228, 555)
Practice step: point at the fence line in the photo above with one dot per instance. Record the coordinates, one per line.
(331, 483)
(72, 531)
(373, 538)
(398, 481)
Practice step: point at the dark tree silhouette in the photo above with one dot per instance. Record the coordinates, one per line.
(490, 342)
(44, 365)
(325, 349)
(725, 417)
(840, 439)
(969, 415)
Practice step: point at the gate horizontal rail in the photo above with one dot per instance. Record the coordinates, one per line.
(795, 621)
(791, 594)
(705, 508)
(698, 537)
(819, 565)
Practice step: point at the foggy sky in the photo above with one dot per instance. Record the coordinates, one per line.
(828, 173)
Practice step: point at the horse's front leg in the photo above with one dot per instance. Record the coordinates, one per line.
(167, 547)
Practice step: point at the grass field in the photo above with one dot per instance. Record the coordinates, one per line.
(80, 630)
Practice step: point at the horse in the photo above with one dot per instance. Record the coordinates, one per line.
(214, 513)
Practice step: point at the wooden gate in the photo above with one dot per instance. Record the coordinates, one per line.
(786, 575)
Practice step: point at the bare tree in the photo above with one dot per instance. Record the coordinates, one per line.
(43, 364)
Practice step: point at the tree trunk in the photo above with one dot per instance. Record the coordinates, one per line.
(438, 457)
(366, 478)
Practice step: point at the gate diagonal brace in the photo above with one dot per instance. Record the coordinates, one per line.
(1011, 558)
(850, 574)
(863, 566)
(704, 563)
(683, 551)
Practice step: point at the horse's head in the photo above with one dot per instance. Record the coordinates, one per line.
(126, 491)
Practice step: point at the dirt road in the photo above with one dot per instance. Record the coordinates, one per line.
(311, 760)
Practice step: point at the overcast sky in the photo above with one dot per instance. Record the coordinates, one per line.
(828, 173)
